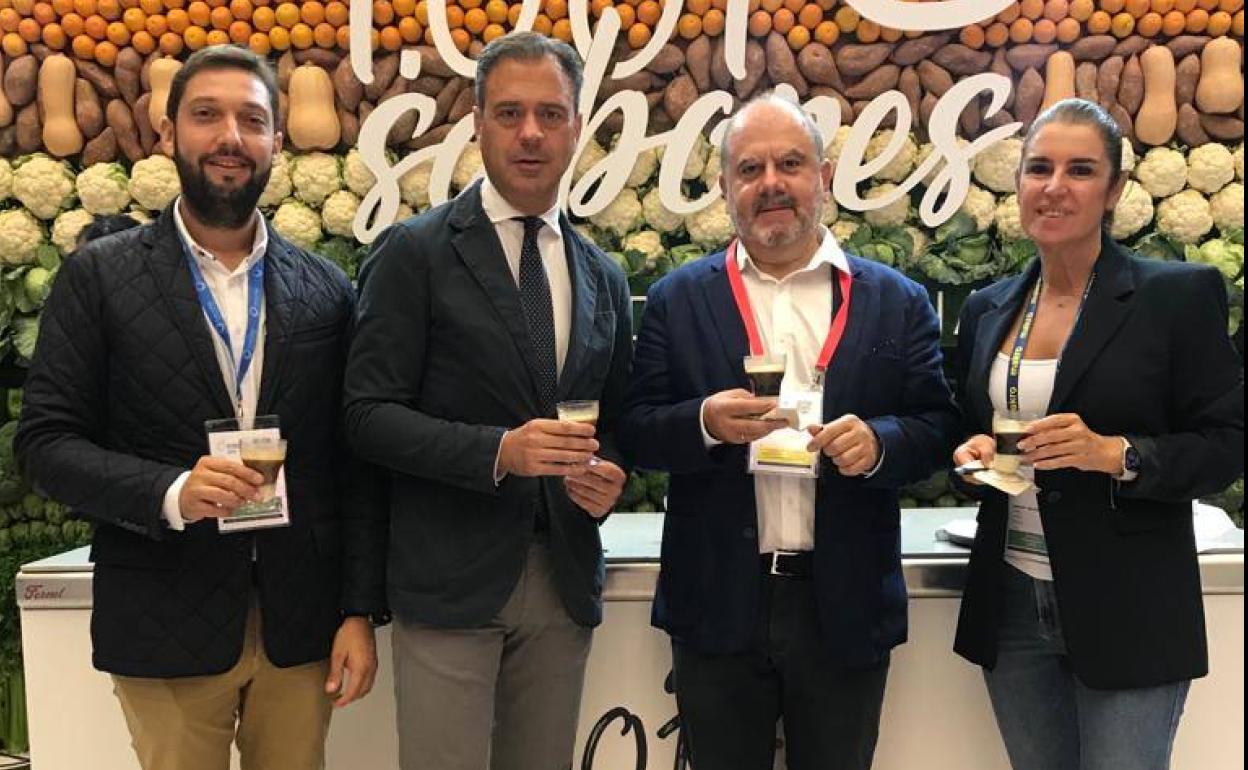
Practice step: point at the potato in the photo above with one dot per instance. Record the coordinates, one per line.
(321, 57)
(1189, 130)
(432, 136)
(463, 104)
(638, 81)
(960, 60)
(1131, 86)
(1108, 75)
(879, 81)
(781, 66)
(654, 99)
(1030, 55)
(680, 93)
(889, 120)
(428, 85)
(431, 63)
(1085, 81)
(1093, 48)
(285, 66)
(121, 120)
(101, 149)
(925, 108)
(935, 79)
(21, 80)
(914, 51)
(385, 70)
(669, 59)
(755, 69)
(348, 90)
(1186, 77)
(818, 66)
(1185, 45)
(283, 110)
(88, 112)
(1001, 67)
(142, 122)
(1224, 127)
(350, 127)
(1028, 96)
(847, 109)
(99, 77)
(1132, 46)
(8, 141)
(1002, 118)
(720, 75)
(698, 63)
(854, 60)
(1125, 123)
(29, 129)
(908, 84)
(126, 73)
(970, 119)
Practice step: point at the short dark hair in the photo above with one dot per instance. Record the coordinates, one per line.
(528, 46)
(223, 57)
(1081, 112)
(106, 225)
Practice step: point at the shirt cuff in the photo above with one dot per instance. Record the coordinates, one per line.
(707, 439)
(170, 511)
(499, 475)
(879, 463)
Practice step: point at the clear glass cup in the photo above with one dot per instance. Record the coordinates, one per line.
(578, 411)
(765, 374)
(265, 456)
(1008, 428)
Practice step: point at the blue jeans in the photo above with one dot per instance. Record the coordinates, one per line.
(1050, 720)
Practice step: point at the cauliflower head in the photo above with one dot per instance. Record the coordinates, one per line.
(20, 236)
(43, 185)
(588, 158)
(6, 180)
(902, 163)
(468, 167)
(404, 212)
(279, 187)
(646, 242)
(712, 226)
(981, 206)
(154, 182)
(338, 213)
(103, 189)
(713, 168)
(1163, 172)
(643, 168)
(696, 162)
(316, 176)
(621, 216)
(830, 212)
(356, 174)
(1185, 216)
(1237, 156)
(414, 186)
(1128, 157)
(927, 148)
(1227, 207)
(657, 216)
(67, 226)
(298, 223)
(833, 151)
(844, 229)
(894, 213)
(1133, 212)
(997, 166)
(1009, 219)
(1210, 167)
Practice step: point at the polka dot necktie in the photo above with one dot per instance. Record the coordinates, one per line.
(538, 313)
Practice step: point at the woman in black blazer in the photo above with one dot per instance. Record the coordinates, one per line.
(1083, 600)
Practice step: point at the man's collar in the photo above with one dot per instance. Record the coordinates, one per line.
(828, 253)
(499, 209)
(259, 243)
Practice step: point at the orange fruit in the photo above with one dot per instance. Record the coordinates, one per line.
(771, 6)
(339, 15)
(9, 19)
(1173, 23)
(1010, 13)
(1021, 29)
(410, 29)
(96, 27)
(220, 18)
(562, 30)
(648, 12)
(1230, 6)
(156, 25)
(1098, 23)
(239, 32)
(475, 21)
(23, 7)
(1113, 7)
(195, 37)
(1149, 24)
(85, 8)
(106, 53)
(454, 16)
(312, 12)
(1237, 23)
(199, 13)
(343, 36)
(972, 36)
(558, 9)
(178, 20)
(713, 22)
(627, 14)
(109, 9)
(84, 47)
(689, 26)
(217, 37)
(1184, 5)
(279, 38)
(827, 32)
(172, 4)
(809, 16)
(1207, 5)
(391, 40)
(54, 37)
(259, 43)
(596, 7)
(301, 36)
(13, 44)
(1080, 10)
(1197, 21)
(1044, 31)
(462, 39)
(74, 25)
(798, 37)
(1068, 30)
(760, 24)
(134, 19)
(422, 13)
(287, 15)
(401, 7)
(383, 13)
(783, 20)
(998, 34)
(119, 35)
(890, 35)
(846, 19)
(1122, 25)
(29, 29)
(542, 25)
(638, 36)
(62, 7)
(1138, 8)
(1162, 7)
(241, 9)
(43, 14)
(263, 19)
(491, 32)
(1031, 9)
(1219, 24)
(867, 31)
(794, 6)
(1056, 10)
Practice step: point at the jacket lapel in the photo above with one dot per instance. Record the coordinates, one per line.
(166, 258)
(864, 315)
(1107, 306)
(990, 334)
(721, 307)
(283, 303)
(583, 272)
(476, 242)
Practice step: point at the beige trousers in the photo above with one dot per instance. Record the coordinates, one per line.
(278, 716)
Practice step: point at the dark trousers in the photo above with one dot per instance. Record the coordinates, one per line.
(729, 704)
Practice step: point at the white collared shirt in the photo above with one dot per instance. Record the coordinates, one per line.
(793, 315)
(229, 289)
(550, 243)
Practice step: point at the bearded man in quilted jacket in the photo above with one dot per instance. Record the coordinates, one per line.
(211, 635)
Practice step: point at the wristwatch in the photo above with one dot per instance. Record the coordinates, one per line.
(1130, 462)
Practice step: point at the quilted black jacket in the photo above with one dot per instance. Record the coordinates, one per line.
(123, 378)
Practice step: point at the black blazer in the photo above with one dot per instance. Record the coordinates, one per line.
(1149, 359)
(123, 378)
(887, 371)
(441, 366)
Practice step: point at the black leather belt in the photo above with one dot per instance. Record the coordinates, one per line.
(790, 564)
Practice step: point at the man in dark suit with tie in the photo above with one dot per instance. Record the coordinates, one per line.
(476, 318)
(782, 590)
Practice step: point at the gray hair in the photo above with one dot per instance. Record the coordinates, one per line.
(528, 46)
(775, 100)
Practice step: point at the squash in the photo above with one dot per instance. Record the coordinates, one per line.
(61, 135)
(313, 121)
(1059, 79)
(1159, 113)
(1221, 86)
(160, 75)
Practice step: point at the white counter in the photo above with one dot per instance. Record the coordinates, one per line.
(936, 713)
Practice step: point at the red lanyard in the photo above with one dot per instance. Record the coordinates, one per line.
(835, 332)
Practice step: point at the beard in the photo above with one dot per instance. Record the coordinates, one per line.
(218, 206)
(777, 235)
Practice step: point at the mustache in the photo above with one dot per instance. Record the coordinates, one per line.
(777, 200)
(228, 155)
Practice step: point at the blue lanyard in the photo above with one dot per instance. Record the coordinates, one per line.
(1024, 333)
(255, 300)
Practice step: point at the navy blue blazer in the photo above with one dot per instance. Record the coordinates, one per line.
(887, 371)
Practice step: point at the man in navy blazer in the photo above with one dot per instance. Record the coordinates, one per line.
(783, 594)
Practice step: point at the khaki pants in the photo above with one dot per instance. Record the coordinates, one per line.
(279, 716)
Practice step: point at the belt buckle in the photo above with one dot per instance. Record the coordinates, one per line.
(775, 562)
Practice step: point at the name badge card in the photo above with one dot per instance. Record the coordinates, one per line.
(783, 452)
(259, 445)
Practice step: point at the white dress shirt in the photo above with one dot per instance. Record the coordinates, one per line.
(793, 315)
(229, 289)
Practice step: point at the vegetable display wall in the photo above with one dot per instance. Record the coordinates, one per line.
(83, 83)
